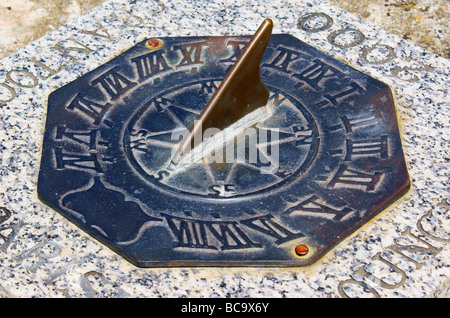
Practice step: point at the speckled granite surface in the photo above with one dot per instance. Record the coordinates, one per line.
(401, 253)
(423, 22)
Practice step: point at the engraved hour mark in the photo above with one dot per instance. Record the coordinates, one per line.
(111, 84)
(75, 160)
(357, 122)
(317, 73)
(86, 157)
(367, 147)
(352, 88)
(354, 178)
(88, 107)
(284, 59)
(378, 147)
(227, 235)
(150, 64)
(114, 83)
(266, 224)
(217, 235)
(85, 137)
(314, 205)
(191, 53)
(237, 47)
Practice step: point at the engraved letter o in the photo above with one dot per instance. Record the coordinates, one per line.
(24, 73)
(12, 92)
(357, 41)
(301, 24)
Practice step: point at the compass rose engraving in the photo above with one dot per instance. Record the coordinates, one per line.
(290, 130)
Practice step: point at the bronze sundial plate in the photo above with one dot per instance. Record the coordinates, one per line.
(109, 137)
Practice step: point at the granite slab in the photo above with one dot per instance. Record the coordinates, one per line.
(401, 253)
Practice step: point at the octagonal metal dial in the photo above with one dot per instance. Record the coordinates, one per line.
(109, 138)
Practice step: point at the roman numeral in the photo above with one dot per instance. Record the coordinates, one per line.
(202, 234)
(231, 236)
(266, 225)
(367, 147)
(190, 52)
(355, 178)
(69, 156)
(114, 83)
(150, 64)
(358, 122)
(226, 235)
(284, 58)
(350, 89)
(237, 47)
(88, 107)
(317, 73)
(314, 206)
(75, 160)
(188, 232)
(86, 137)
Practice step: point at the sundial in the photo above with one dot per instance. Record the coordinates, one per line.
(237, 150)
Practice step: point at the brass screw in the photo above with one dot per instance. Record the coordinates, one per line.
(153, 44)
(301, 250)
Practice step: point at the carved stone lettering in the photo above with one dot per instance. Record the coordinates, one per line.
(10, 91)
(100, 32)
(315, 22)
(65, 48)
(351, 281)
(425, 248)
(347, 37)
(381, 282)
(50, 71)
(22, 78)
